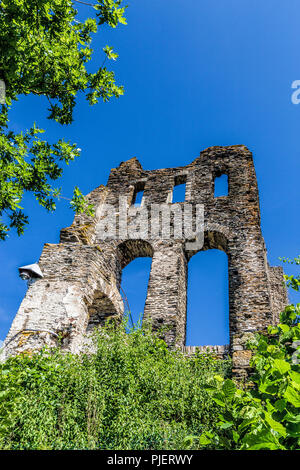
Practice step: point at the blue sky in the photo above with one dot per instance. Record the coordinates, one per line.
(196, 74)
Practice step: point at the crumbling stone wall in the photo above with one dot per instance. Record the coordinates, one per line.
(82, 274)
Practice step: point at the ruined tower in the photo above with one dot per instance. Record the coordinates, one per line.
(80, 287)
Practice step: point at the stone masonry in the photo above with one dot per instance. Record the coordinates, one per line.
(82, 274)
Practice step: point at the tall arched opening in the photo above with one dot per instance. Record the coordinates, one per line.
(135, 263)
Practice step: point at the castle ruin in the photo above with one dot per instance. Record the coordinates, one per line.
(80, 287)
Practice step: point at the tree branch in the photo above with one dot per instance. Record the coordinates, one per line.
(85, 3)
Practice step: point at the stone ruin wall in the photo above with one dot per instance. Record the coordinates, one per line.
(82, 274)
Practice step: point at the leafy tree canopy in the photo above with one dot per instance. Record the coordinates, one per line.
(44, 50)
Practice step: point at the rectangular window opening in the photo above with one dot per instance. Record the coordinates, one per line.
(221, 185)
(207, 301)
(138, 194)
(179, 189)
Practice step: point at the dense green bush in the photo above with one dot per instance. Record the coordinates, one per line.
(133, 393)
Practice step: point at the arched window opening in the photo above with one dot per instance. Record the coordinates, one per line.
(135, 277)
(221, 185)
(208, 299)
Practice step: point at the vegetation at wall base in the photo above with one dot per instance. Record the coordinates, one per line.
(133, 393)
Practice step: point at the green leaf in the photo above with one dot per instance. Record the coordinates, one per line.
(235, 436)
(268, 387)
(219, 402)
(285, 328)
(265, 446)
(280, 404)
(281, 365)
(219, 378)
(246, 423)
(263, 439)
(292, 396)
(293, 418)
(204, 441)
(275, 425)
(229, 388)
(295, 376)
(225, 425)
